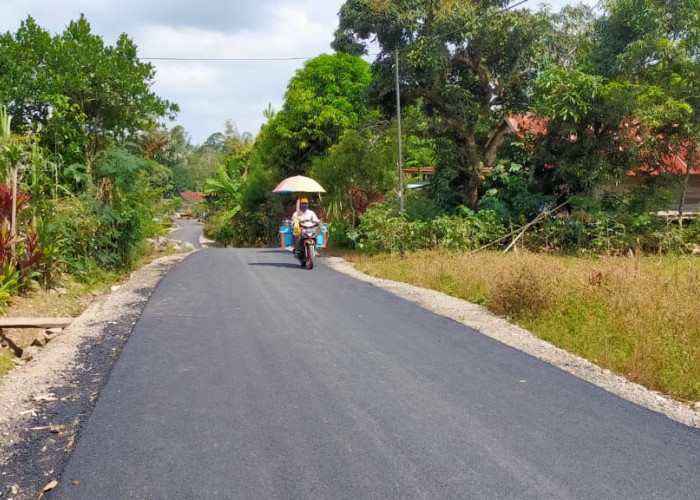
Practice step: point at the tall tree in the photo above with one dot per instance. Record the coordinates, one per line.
(463, 58)
(323, 100)
(656, 44)
(81, 93)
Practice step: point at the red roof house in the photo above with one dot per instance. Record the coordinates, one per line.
(192, 196)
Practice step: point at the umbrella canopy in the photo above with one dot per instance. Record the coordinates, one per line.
(298, 184)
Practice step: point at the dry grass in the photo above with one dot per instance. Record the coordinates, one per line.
(638, 317)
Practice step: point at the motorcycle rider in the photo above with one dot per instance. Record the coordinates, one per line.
(303, 214)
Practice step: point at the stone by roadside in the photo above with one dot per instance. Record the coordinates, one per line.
(44, 401)
(479, 318)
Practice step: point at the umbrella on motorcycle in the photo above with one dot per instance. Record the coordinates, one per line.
(299, 184)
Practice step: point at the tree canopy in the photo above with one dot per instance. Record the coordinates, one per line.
(463, 59)
(324, 99)
(75, 91)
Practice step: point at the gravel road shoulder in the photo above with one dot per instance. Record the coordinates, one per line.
(479, 318)
(44, 402)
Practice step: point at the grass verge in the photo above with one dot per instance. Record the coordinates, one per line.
(638, 317)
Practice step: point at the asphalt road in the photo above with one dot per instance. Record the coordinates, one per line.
(248, 377)
(189, 232)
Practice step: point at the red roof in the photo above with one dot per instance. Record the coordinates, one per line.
(527, 123)
(192, 196)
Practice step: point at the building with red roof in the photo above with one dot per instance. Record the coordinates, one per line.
(192, 196)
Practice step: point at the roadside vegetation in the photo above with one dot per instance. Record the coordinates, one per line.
(83, 175)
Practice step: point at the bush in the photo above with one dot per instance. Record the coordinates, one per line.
(341, 235)
(509, 192)
(244, 229)
(468, 231)
(383, 230)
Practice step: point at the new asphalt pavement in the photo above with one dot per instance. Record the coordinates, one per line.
(188, 231)
(249, 377)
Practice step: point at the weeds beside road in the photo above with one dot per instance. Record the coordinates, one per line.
(635, 316)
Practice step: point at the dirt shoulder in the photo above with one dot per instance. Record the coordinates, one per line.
(479, 318)
(44, 402)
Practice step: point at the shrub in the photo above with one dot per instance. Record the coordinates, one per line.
(341, 235)
(383, 230)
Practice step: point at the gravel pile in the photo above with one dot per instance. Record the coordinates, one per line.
(479, 318)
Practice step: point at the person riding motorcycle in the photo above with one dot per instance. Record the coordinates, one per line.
(303, 214)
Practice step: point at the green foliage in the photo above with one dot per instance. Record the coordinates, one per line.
(460, 58)
(243, 229)
(77, 93)
(419, 206)
(356, 172)
(384, 230)
(614, 225)
(323, 100)
(510, 192)
(587, 141)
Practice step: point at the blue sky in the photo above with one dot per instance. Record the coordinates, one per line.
(208, 93)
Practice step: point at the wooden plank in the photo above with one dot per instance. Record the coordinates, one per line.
(35, 322)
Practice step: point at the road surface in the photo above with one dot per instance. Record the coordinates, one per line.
(248, 377)
(189, 232)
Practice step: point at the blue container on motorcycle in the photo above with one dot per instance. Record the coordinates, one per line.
(321, 237)
(286, 236)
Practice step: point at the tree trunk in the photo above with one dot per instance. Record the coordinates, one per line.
(467, 142)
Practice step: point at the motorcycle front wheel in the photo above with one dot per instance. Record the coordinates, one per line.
(310, 254)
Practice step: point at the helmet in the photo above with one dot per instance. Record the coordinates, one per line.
(304, 200)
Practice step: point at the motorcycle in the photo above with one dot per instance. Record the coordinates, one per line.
(306, 250)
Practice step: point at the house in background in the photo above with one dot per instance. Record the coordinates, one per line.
(524, 125)
(192, 196)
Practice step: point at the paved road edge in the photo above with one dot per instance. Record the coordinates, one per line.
(479, 318)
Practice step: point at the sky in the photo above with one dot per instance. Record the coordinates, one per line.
(208, 92)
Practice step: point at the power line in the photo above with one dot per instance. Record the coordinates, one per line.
(254, 59)
(515, 5)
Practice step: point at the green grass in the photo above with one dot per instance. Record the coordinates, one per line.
(6, 357)
(638, 317)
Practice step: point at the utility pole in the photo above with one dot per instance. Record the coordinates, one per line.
(398, 126)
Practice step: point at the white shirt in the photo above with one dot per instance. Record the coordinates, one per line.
(307, 216)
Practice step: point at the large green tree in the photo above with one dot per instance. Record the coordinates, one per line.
(78, 93)
(464, 58)
(323, 100)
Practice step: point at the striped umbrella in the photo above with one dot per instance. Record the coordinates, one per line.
(298, 184)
